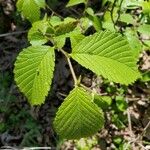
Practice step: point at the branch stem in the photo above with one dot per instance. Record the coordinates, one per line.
(130, 126)
(72, 71)
(87, 89)
(70, 66)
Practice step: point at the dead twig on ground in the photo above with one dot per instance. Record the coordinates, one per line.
(12, 33)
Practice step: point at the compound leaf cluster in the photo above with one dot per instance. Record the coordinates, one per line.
(106, 53)
(54, 30)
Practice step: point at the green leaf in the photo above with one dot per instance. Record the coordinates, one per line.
(144, 29)
(34, 72)
(68, 25)
(109, 26)
(60, 40)
(36, 34)
(102, 101)
(90, 11)
(146, 76)
(78, 116)
(108, 16)
(94, 19)
(54, 21)
(127, 18)
(146, 45)
(75, 37)
(75, 2)
(108, 23)
(40, 3)
(145, 7)
(55, 29)
(121, 103)
(134, 42)
(125, 146)
(97, 23)
(20, 4)
(62, 29)
(118, 120)
(30, 8)
(131, 4)
(84, 24)
(117, 140)
(108, 54)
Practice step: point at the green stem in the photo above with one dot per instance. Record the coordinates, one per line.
(72, 71)
(65, 53)
(70, 66)
(88, 89)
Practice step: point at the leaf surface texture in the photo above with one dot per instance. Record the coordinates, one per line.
(34, 72)
(30, 8)
(78, 116)
(108, 54)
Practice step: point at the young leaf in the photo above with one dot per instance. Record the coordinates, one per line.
(121, 103)
(145, 7)
(144, 29)
(109, 26)
(78, 116)
(94, 19)
(62, 29)
(146, 76)
(134, 42)
(84, 24)
(76, 37)
(102, 101)
(75, 2)
(37, 32)
(127, 18)
(107, 54)
(55, 21)
(60, 40)
(68, 25)
(30, 8)
(108, 23)
(133, 4)
(34, 72)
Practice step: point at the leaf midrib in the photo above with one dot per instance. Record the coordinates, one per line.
(39, 71)
(104, 58)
